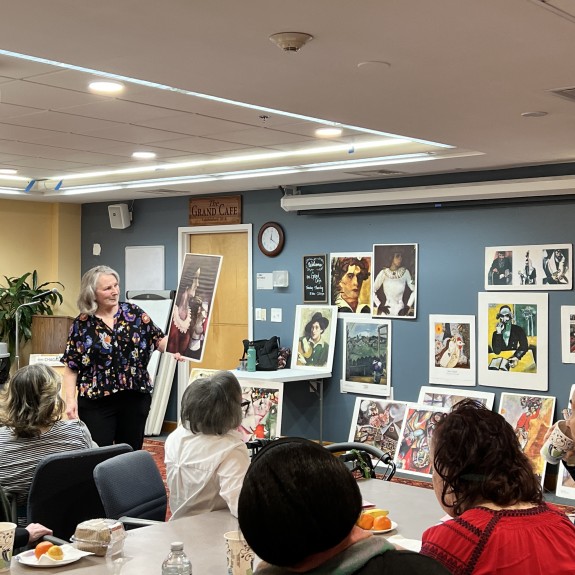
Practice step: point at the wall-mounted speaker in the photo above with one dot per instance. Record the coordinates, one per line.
(120, 217)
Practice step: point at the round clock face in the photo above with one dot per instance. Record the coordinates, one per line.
(271, 239)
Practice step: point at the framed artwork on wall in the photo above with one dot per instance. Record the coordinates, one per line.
(394, 287)
(540, 267)
(448, 397)
(452, 349)
(350, 282)
(568, 334)
(366, 356)
(377, 422)
(531, 416)
(414, 449)
(512, 346)
(315, 279)
(314, 337)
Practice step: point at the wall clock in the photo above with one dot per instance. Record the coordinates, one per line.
(271, 239)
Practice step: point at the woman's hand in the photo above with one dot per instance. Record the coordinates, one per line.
(36, 531)
(72, 409)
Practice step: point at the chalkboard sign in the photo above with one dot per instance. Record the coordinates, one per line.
(314, 279)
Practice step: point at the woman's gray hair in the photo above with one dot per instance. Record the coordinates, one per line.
(87, 298)
(212, 405)
(31, 400)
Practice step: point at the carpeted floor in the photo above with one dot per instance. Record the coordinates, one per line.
(156, 448)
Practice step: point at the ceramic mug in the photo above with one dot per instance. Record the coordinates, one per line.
(558, 443)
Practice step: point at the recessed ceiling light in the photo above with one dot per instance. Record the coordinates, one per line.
(8, 171)
(328, 132)
(106, 87)
(143, 155)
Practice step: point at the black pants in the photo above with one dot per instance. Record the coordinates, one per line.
(117, 418)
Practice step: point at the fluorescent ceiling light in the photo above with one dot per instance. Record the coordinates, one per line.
(328, 132)
(106, 87)
(8, 171)
(144, 155)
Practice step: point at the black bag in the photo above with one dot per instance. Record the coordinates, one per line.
(267, 351)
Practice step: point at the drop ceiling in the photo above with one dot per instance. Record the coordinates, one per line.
(417, 87)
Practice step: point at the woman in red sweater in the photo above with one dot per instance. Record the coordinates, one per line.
(500, 523)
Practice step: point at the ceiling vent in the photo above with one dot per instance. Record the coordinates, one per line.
(567, 93)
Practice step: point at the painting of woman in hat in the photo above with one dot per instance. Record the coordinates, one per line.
(312, 348)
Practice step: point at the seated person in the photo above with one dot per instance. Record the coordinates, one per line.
(31, 427)
(206, 459)
(298, 510)
(29, 534)
(486, 483)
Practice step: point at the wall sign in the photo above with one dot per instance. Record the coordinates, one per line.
(314, 279)
(215, 210)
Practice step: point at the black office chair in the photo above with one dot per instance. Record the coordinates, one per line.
(132, 489)
(63, 492)
(360, 456)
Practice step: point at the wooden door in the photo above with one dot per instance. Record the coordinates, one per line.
(229, 318)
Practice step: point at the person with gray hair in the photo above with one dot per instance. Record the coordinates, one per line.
(106, 358)
(205, 457)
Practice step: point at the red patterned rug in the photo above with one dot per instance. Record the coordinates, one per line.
(156, 448)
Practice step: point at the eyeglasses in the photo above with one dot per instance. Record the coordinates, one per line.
(567, 413)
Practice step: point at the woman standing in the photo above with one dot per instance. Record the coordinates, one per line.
(395, 281)
(106, 360)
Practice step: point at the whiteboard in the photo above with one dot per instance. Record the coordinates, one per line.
(144, 267)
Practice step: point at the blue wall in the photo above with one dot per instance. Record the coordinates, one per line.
(450, 274)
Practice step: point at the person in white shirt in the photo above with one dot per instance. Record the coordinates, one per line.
(206, 459)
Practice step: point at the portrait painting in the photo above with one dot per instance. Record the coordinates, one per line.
(565, 483)
(192, 311)
(452, 349)
(262, 409)
(314, 337)
(568, 334)
(366, 356)
(512, 348)
(414, 449)
(529, 267)
(531, 416)
(350, 282)
(377, 422)
(450, 397)
(394, 285)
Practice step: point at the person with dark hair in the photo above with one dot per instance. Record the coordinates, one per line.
(500, 272)
(312, 349)
(205, 457)
(106, 359)
(313, 502)
(487, 485)
(347, 277)
(31, 427)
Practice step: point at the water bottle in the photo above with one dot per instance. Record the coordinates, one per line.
(251, 357)
(177, 562)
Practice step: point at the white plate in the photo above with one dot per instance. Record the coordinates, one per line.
(71, 554)
(393, 526)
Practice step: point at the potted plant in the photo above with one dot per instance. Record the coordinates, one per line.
(23, 290)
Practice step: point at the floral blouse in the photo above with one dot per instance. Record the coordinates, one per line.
(111, 360)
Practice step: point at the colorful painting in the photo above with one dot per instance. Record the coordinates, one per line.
(540, 267)
(565, 483)
(377, 422)
(350, 282)
(394, 287)
(568, 334)
(452, 349)
(512, 340)
(192, 311)
(262, 409)
(414, 450)
(367, 356)
(314, 337)
(449, 397)
(531, 417)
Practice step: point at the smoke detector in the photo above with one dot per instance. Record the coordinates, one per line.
(290, 41)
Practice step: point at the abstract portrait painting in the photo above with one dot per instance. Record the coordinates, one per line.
(452, 349)
(350, 282)
(512, 340)
(262, 409)
(367, 356)
(377, 422)
(531, 416)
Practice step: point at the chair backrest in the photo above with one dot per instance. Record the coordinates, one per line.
(63, 492)
(365, 452)
(131, 484)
